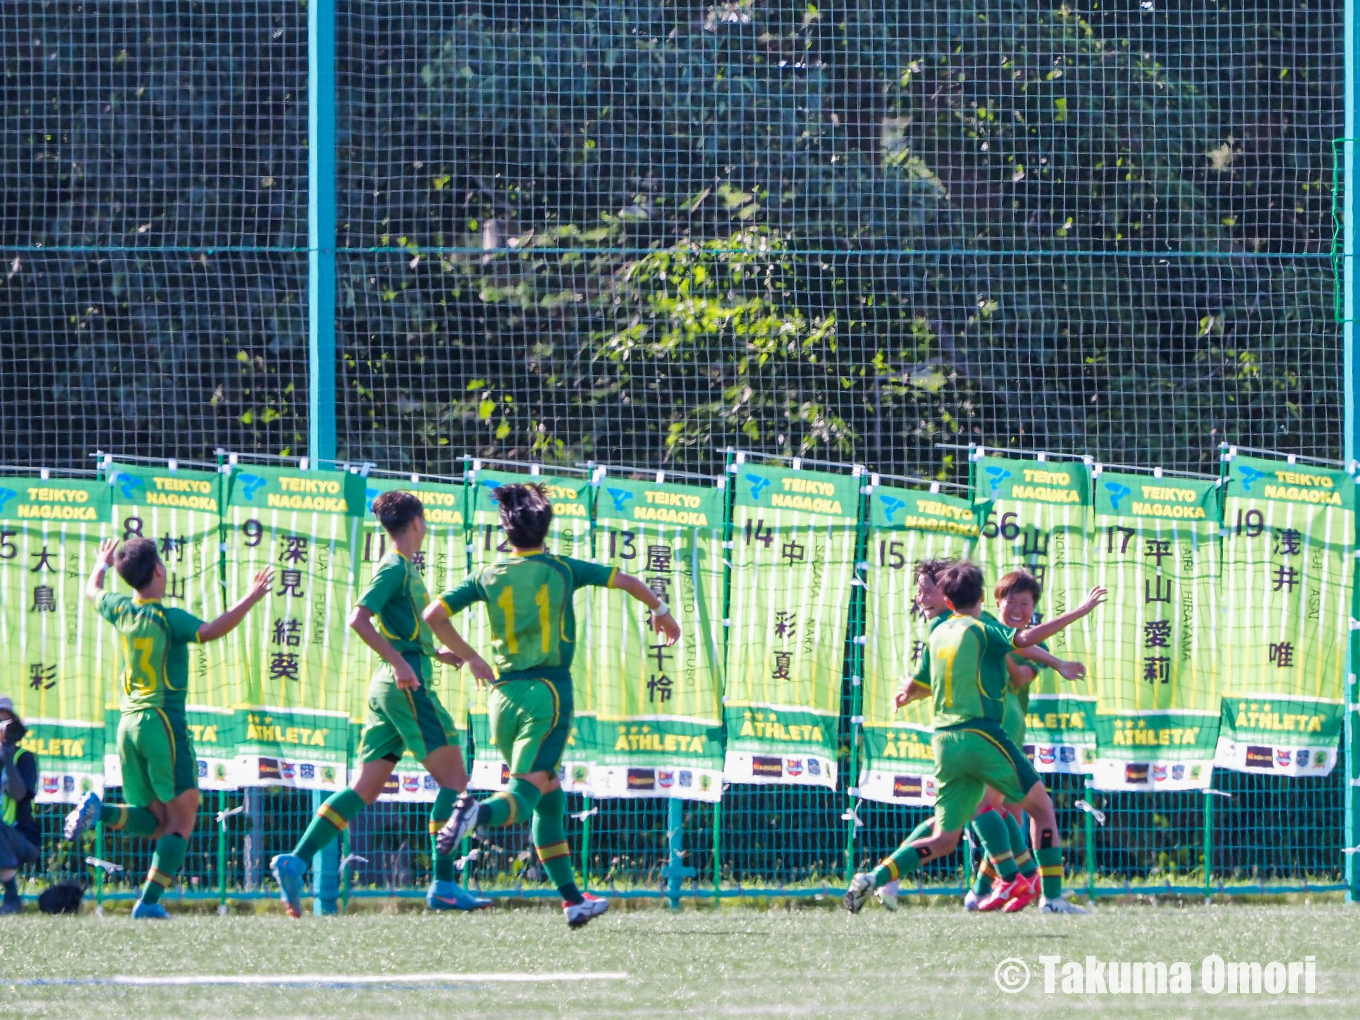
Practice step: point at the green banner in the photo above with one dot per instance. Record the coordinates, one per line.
(657, 728)
(906, 526)
(54, 650)
(442, 563)
(1288, 536)
(1037, 520)
(794, 537)
(180, 510)
(1152, 658)
(569, 535)
(292, 651)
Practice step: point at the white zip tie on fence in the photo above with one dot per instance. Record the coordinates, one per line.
(108, 866)
(1095, 813)
(468, 858)
(581, 816)
(222, 816)
(349, 859)
(852, 815)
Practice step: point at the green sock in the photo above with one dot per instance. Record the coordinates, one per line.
(982, 881)
(550, 840)
(902, 861)
(514, 805)
(996, 841)
(165, 864)
(328, 822)
(135, 821)
(922, 831)
(1024, 860)
(439, 814)
(1051, 867)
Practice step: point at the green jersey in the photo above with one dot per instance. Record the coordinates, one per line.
(397, 597)
(968, 670)
(528, 599)
(922, 674)
(1021, 691)
(154, 643)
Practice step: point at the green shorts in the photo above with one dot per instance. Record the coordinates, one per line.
(970, 759)
(157, 756)
(530, 722)
(398, 720)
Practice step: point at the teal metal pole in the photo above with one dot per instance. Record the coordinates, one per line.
(1208, 844)
(586, 804)
(221, 853)
(1090, 846)
(676, 872)
(1351, 371)
(325, 870)
(321, 215)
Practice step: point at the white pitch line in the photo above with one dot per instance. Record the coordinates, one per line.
(322, 980)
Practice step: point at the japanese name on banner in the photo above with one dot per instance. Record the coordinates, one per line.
(1288, 534)
(793, 557)
(906, 527)
(57, 657)
(1037, 521)
(292, 651)
(180, 510)
(1152, 661)
(657, 730)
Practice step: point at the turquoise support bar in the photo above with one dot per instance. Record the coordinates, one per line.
(675, 871)
(1351, 370)
(321, 215)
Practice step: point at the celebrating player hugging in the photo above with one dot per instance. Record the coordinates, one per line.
(966, 674)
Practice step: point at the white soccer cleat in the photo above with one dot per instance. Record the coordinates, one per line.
(1060, 906)
(887, 896)
(579, 914)
(858, 893)
(970, 901)
(460, 823)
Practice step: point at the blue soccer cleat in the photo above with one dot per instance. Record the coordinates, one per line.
(149, 912)
(85, 814)
(288, 871)
(452, 896)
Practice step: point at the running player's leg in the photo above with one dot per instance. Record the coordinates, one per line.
(163, 758)
(990, 833)
(1015, 825)
(135, 816)
(445, 764)
(1048, 848)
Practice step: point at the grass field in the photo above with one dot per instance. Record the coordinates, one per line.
(803, 961)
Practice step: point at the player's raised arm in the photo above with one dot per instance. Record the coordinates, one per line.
(663, 622)
(103, 559)
(1064, 668)
(226, 623)
(1043, 631)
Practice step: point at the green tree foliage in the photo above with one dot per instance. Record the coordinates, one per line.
(640, 233)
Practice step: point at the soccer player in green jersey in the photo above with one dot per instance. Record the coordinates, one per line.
(990, 833)
(972, 752)
(160, 769)
(528, 600)
(1017, 596)
(403, 713)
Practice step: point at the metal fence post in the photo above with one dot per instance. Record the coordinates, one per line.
(321, 216)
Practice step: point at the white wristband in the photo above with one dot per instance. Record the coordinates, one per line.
(662, 610)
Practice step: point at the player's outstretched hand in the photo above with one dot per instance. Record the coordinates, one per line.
(1096, 597)
(446, 656)
(106, 550)
(264, 581)
(1070, 670)
(668, 626)
(900, 699)
(405, 675)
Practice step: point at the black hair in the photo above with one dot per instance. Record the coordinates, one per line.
(962, 584)
(396, 510)
(930, 570)
(136, 561)
(525, 514)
